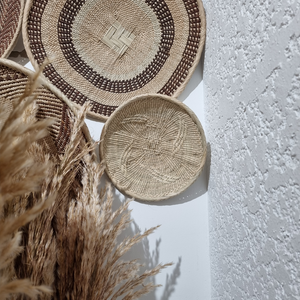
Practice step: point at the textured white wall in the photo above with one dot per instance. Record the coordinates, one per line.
(252, 110)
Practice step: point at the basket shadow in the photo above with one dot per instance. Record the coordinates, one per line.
(19, 54)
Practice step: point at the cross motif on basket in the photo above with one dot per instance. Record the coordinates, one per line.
(118, 38)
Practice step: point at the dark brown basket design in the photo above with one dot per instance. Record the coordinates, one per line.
(13, 79)
(108, 51)
(153, 146)
(11, 12)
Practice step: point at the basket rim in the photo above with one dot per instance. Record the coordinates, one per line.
(128, 103)
(96, 116)
(14, 40)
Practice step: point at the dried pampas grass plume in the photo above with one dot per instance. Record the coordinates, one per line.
(70, 244)
(19, 174)
(89, 259)
(94, 257)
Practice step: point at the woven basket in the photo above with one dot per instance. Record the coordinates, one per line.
(11, 12)
(108, 51)
(154, 147)
(13, 79)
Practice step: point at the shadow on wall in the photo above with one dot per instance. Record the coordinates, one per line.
(149, 260)
(19, 55)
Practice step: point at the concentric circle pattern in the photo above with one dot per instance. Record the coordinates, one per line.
(108, 51)
(154, 147)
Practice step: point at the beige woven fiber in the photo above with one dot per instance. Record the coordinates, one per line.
(109, 51)
(13, 79)
(11, 12)
(154, 147)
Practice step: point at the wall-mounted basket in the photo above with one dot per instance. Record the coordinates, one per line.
(108, 51)
(153, 146)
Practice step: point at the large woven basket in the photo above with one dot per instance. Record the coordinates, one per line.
(108, 51)
(51, 104)
(154, 147)
(11, 12)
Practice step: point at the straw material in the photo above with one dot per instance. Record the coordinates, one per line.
(11, 12)
(75, 242)
(51, 104)
(154, 147)
(109, 51)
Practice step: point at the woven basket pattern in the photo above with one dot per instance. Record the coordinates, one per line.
(12, 85)
(109, 51)
(154, 147)
(10, 24)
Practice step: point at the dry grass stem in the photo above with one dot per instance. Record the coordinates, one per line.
(19, 174)
(69, 227)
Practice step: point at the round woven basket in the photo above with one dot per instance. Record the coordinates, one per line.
(153, 146)
(51, 104)
(108, 51)
(11, 12)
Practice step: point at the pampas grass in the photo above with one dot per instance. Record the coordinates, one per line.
(70, 228)
(91, 237)
(19, 174)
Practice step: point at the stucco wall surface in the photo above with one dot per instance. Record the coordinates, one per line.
(252, 111)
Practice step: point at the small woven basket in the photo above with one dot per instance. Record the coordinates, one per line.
(154, 147)
(51, 104)
(108, 51)
(11, 12)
